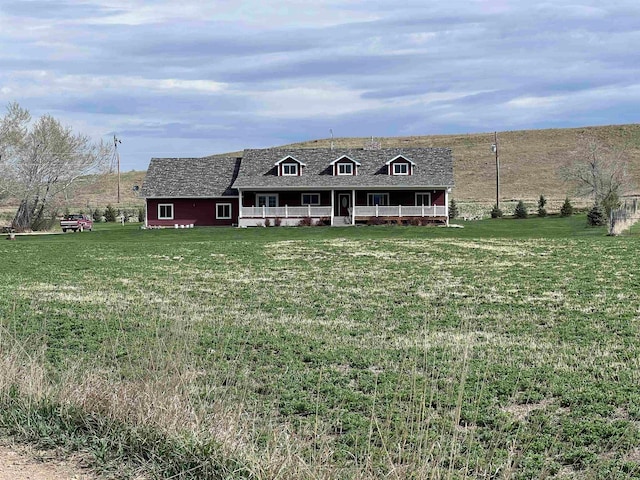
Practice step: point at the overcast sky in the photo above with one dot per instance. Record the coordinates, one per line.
(191, 78)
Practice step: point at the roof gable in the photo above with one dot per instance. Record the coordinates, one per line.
(345, 157)
(289, 158)
(400, 158)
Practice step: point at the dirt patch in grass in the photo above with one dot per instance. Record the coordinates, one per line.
(25, 463)
(521, 412)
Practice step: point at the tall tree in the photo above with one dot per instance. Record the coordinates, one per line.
(42, 159)
(600, 171)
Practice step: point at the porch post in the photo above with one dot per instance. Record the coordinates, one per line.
(332, 195)
(353, 208)
(264, 211)
(309, 210)
(446, 205)
(286, 211)
(400, 210)
(146, 213)
(240, 204)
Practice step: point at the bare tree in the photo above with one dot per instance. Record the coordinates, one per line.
(41, 160)
(13, 128)
(599, 171)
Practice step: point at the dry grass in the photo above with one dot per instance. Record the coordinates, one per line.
(529, 159)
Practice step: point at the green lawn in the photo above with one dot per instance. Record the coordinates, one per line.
(504, 349)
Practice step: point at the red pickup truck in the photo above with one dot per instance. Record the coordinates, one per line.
(76, 222)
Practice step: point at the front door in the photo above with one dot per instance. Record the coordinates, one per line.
(344, 203)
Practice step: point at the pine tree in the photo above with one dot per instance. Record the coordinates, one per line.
(542, 212)
(567, 208)
(521, 210)
(453, 209)
(596, 216)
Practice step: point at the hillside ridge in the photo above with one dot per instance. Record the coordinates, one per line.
(529, 163)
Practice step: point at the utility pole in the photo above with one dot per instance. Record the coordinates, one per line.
(494, 148)
(116, 141)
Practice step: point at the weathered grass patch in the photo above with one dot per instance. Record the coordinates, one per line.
(325, 353)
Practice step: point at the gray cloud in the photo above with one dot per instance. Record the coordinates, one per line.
(203, 79)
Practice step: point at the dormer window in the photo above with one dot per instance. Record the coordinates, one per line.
(401, 169)
(345, 169)
(345, 166)
(289, 167)
(400, 165)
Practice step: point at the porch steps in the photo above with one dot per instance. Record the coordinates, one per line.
(341, 221)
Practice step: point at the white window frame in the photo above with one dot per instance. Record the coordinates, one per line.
(345, 164)
(423, 193)
(266, 196)
(160, 217)
(399, 164)
(293, 169)
(302, 202)
(224, 217)
(372, 194)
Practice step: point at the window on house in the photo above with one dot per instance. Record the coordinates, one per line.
(267, 200)
(401, 169)
(423, 198)
(289, 169)
(345, 169)
(223, 211)
(377, 199)
(310, 199)
(165, 211)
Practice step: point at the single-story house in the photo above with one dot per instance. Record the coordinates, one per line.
(191, 191)
(283, 185)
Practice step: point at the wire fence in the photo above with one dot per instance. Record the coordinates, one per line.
(623, 218)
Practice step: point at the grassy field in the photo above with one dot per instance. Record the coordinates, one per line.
(505, 349)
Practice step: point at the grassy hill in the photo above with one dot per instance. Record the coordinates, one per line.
(103, 189)
(529, 162)
(529, 159)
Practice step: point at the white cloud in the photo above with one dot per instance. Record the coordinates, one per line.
(37, 83)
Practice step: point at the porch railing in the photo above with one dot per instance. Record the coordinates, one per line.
(286, 212)
(401, 211)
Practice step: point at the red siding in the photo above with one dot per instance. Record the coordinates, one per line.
(199, 211)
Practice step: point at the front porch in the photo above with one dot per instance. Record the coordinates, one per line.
(340, 207)
(401, 214)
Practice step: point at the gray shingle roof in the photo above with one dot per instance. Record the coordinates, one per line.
(433, 168)
(190, 177)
